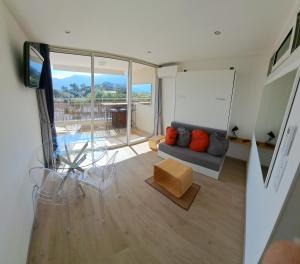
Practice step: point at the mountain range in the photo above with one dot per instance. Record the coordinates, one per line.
(116, 80)
(85, 79)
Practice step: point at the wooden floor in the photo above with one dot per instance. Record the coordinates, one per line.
(143, 226)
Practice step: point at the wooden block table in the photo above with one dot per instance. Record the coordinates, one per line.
(154, 141)
(175, 177)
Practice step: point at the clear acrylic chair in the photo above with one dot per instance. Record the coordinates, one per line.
(102, 178)
(47, 188)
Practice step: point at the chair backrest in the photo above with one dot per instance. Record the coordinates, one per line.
(49, 182)
(108, 172)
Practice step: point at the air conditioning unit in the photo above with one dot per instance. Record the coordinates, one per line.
(167, 72)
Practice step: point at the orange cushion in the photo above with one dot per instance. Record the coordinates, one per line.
(199, 141)
(171, 134)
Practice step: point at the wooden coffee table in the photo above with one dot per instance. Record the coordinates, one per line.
(173, 176)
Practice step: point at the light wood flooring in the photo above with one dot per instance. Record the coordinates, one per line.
(143, 226)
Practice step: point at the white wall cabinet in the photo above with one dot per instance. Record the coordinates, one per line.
(204, 98)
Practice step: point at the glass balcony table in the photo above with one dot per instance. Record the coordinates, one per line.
(72, 155)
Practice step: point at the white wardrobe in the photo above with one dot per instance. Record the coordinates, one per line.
(202, 98)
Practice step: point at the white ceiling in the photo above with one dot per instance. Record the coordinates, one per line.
(61, 61)
(79, 63)
(173, 30)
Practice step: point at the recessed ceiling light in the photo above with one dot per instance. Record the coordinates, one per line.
(149, 51)
(217, 32)
(67, 31)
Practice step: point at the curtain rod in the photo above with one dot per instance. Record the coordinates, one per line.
(86, 52)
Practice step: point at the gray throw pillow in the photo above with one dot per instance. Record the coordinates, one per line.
(218, 144)
(183, 137)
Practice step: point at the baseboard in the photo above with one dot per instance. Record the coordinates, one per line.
(207, 172)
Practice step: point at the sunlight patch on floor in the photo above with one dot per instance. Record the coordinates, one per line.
(141, 148)
(126, 152)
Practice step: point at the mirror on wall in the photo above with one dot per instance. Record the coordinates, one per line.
(271, 119)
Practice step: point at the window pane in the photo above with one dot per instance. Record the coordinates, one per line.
(71, 78)
(141, 93)
(142, 101)
(110, 90)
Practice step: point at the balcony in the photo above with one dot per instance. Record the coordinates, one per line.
(109, 120)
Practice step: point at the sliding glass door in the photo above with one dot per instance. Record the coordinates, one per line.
(72, 91)
(142, 97)
(94, 97)
(110, 100)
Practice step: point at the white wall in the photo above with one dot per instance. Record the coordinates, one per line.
(20, 135)
(288, 227)
(263, 205)
(142, 74)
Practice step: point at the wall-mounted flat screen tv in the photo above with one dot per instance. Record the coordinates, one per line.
(33, 64)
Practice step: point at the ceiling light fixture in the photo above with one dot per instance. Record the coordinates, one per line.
(217, 32)
(67, 31)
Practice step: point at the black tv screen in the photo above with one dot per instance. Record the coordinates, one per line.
(33, 66)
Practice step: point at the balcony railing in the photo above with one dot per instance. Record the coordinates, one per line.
(72, 110)
(82, 110)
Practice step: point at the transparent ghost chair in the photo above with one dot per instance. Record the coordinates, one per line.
(102, 178)
(47, 188)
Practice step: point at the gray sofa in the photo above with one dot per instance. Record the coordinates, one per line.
(202, 162)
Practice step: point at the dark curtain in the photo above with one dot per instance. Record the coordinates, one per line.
(46, 85)
(46, 80)
(46, 106)
(46, 129)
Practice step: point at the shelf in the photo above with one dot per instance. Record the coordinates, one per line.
(242, 141)
(247, 142)
(264, 145)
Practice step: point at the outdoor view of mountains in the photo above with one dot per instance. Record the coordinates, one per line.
(119, 80)
(107, 87)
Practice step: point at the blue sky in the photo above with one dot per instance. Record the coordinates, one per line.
(142, 88)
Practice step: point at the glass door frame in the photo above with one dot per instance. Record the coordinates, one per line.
(96, 54)
(129, 84)
(92, 55)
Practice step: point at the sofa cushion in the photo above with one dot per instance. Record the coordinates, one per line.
(171, 134)
(208, 130)
(183, 137)
(218, 144)
(200, 158)
(199, 140)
